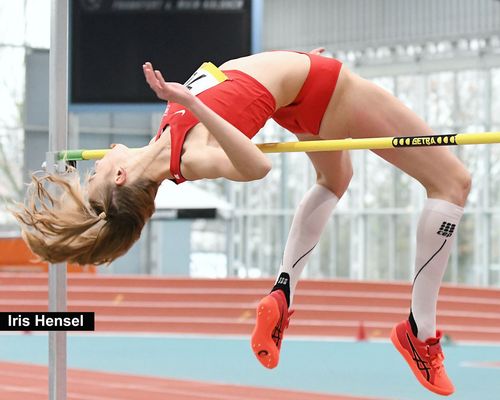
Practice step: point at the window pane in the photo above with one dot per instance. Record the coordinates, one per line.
(471, 107)
(403, 188)
(495, 95)
(465, 249)
(342, 237)
(376, 257)
(403, 240)
(474, 159)
(411, 92)
(494, 172)
(11, 86)
(440, 99)
(379, 185)
(494, 270)
(11, 163)
(12, 23)
(38, 25)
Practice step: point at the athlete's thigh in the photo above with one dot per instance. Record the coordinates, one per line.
(380, 114)
(431, 166)
(333, 168)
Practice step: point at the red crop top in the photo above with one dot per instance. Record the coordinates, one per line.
(240, 100)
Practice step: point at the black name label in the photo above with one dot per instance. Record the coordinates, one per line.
(47, 321)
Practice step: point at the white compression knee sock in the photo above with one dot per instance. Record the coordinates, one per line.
(308, 223)
(436, 233)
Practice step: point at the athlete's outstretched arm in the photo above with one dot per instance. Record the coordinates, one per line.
(246, 158)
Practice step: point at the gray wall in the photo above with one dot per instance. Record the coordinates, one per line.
(357, 24)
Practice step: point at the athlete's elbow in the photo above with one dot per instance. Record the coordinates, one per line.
(262, 169)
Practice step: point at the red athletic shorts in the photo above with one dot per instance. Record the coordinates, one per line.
(305, 113)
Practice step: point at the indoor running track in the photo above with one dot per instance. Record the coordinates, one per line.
(29, 382)
(310, 369)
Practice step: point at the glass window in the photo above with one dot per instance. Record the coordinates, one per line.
(410, 90)
(475, 159)
(377, 249)
(404, 237)
(402, 188)
(11, 161)
(440, 100)
(471, 99)
(342, 236)
(495, 96)
(38, 26)
(12, 23)
(11, 131)
(465, 250)
(379, 182)
(494, 267)
(494, 172)
(11, 86)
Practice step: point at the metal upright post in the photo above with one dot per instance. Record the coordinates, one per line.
(58, 128)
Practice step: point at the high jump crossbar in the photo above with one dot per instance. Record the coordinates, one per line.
(389, 142)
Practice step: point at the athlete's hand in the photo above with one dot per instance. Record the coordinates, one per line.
(317, 51)
(170, 91)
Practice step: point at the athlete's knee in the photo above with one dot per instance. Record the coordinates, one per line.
(337, 184)
(464, 183)
(455, 187)
(460, 185)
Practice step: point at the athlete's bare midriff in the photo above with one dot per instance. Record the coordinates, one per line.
(281, 72)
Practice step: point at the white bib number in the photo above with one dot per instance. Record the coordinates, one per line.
(205, 77)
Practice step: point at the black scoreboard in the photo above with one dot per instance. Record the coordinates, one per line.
(111, 39)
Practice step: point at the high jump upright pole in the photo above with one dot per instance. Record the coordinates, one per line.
(58, 137)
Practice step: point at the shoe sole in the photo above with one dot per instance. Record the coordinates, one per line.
(414, 369)
(262, 342)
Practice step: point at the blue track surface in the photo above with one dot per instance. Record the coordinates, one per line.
(364, 369)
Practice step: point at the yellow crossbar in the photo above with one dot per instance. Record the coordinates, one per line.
(382, 142)
(392, 142)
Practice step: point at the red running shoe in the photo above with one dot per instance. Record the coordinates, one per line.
(272, 320)
(424, 358)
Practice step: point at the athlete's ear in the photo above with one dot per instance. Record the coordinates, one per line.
(120, 176)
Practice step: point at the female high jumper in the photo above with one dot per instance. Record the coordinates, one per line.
(206, 132)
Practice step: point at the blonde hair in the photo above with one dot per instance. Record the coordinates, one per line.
(60, 224)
